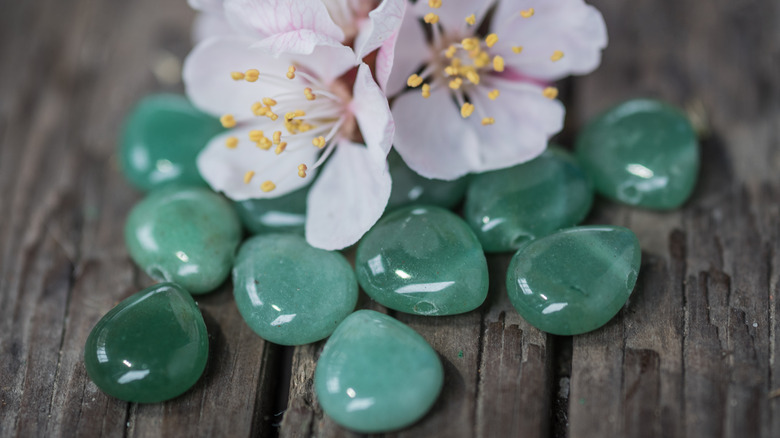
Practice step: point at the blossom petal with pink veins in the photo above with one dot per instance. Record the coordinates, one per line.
(369, 105)
(452, 13)
(209, 85)
(383, 22)
(210, 6)
(293, 26)
(570, 26)
(208, 25)
(224, 168)
(347, 199)
(412, 52)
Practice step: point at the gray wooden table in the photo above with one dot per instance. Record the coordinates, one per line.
(692, 354)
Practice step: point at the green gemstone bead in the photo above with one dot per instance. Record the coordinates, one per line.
(411, 188)
(423, 260)
(508, 207)
(160, 140)
(291, 293)
(641, 152)
(151, 347)
(575, 280)
(375, 374)
(285, 214)
(187, 235)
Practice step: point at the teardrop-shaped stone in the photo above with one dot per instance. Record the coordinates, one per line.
(575, 280)
(375, 374)
(508, 207)
(285, 214)
(161, 138)
(641, 152)
(410, 188)
(423, 260)
(289, 292)
(151, 347)
(187, 235)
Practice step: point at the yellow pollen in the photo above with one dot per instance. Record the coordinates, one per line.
(482, 60)
(309, 95)
(268, 101)
(282, 146)
(451, 71)
(470, 43)
(414, 81)
(528, 13)
(466, 110)
(550, 92)
(228, 121)
(456, 83)
(291, 72)
(435, 4)
(272, 116)
(248, 176)
(236, 75)
(431, 18)
(426, 91)
(264, 144)
(493, 94)
(451, 50)
(319, 142)
(471, 19)
(252, 75)
(498, 63)
(277, 137)
(231, 142)
(491, 40)
(302, 170)
(517, 49)
(300, 113)
(557, 55)
(488, 121)
(255, 135)
(289, 116)
(473, 77)
(267, 186)
(256, 107)
(305, 127)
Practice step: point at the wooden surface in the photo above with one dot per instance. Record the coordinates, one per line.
(694, 353)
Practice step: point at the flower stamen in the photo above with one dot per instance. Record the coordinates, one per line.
(556, 56)
(231, 142)
(267, 186)
(248, 176)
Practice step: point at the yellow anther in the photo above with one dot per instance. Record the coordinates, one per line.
(414, 81)
(550, 92)
(289, 116)
(517, 49)
(450, 70)
(268, 101)
(236, 75)
(473, 77)
(470, 43)
(300, 113)
(493, 95)
(456, 83)
(488, 121)
(491, 40)
(305, 127)
(557, 55)
(451, 50)
(256, 107)
(277, 137)
(435, 4)
(498, 63)
(471, 19)
(281, 147)
(426, 91)
(319, 142)
(231, 142)
(228, 121)
(272, 116)
(309, 95)
(482, 60)
(264, 144)
(255, 135)
(431, 18)
(252, 75)
(528, 13)
(466, 110)
(248, 176)
(267, 186)
(456, 62)
(302, 170)
(291, 72)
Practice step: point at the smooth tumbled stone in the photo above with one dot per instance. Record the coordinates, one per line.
(508, 207)
(641, 152)
(161, 138)
(187, 235)
(411, 188)
(291, 293)
(575, 280)
(151, 347)
(285, 214)
(375, 374)
(423, 260)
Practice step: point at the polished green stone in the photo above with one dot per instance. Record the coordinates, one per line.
(160, 139)
(151, 347)
(508, 207)
(375, 374)
(187, 235)
(423, 260)
(285, 214)
(410, 188)
(641, 152)
(575, 280)
(289, 292)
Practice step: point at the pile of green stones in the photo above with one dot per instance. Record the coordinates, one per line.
(375, 373)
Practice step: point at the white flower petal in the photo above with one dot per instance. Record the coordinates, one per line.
(411, 52)
(347, 199)
(369, 105)
(327, 61)
(452, 13)
(224, 168)
(383, 22)
(208, 25)
(569, 26)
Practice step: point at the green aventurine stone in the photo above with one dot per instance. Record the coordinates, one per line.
(641, 152)
(285, 214)
(151, 347)
(160, 140)
(187, 235)
(375, 374)
(411, 188)
(508, 207)
(423, 260)
(291, 293)
(575, 280)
